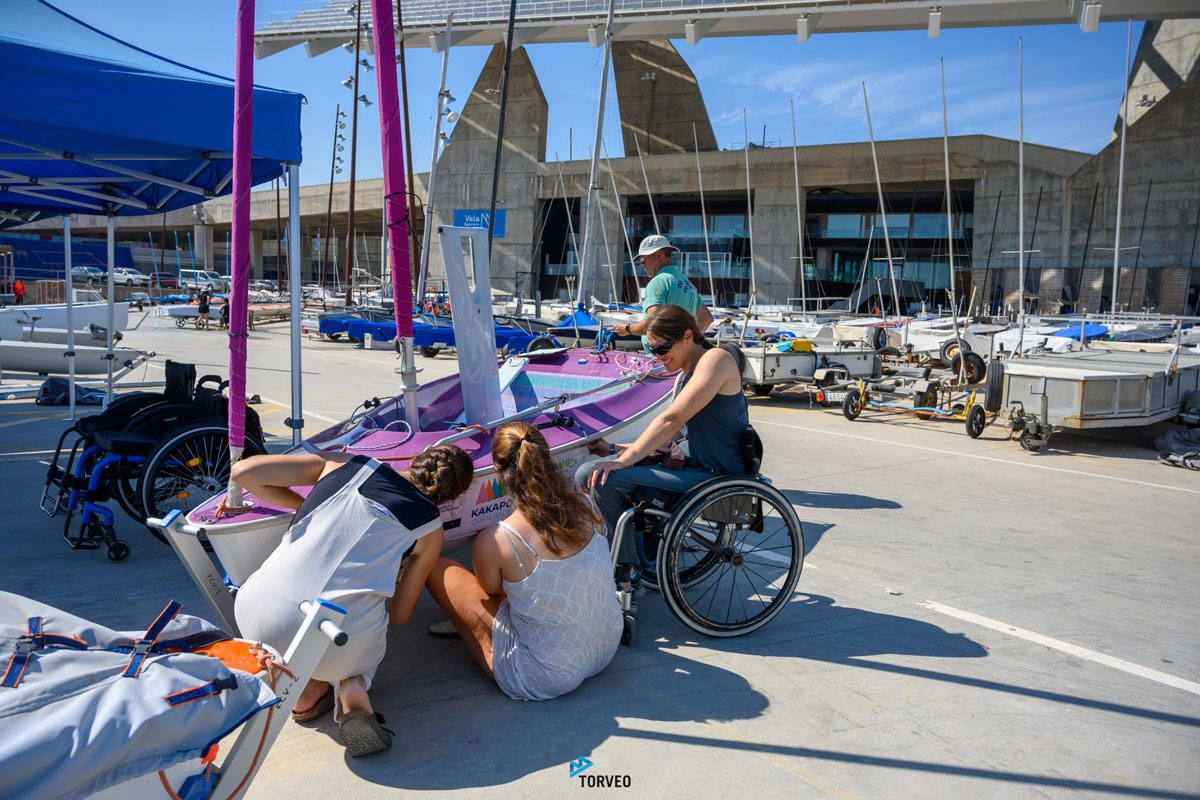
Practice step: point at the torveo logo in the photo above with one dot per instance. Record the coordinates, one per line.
(596, 780)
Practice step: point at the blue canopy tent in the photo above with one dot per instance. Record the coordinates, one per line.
(92, 124)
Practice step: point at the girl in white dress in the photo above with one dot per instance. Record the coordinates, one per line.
(540, 613)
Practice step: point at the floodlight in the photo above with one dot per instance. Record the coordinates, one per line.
(802, 28)
(935, 23)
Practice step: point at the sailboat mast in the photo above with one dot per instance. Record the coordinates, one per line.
(646, 180)
(433, 161)
(749, 211)
(594, 174)
(612, 181)
(1121, 172)
(887, 239)
(799, 215)
(1021, 192)
(712, 285)
(962, 364)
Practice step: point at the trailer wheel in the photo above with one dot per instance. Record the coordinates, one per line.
(540, 343)
(1031, 443)
(976, 420)
(180, 322)
(994, 391)
(852, 406)
(879, 338)
(974, 371)
(761, 389)
(950, 349)
(429, 352)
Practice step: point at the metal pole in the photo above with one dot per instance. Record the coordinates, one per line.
(799, 215)
(589, 235)
(508, 48)
(433, 162)
(646, 180)
(278, 235)
(1021, 194)
(1112, 306)
(712, 285)
(337, 123)
(70, 291)
(629, 251)
(887, 239)
(108, 344)
(296, 422)
(962, 362)
(411, 197)
(749, 217)
(353, 159)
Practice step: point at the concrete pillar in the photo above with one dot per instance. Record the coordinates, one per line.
(775, 238)
(202, 238)
(464, 179)
(256, 254)
(659, 99)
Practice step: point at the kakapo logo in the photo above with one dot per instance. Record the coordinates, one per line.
(490, 491)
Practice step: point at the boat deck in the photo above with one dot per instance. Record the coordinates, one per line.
(972, 621)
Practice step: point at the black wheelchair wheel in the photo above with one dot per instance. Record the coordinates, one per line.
(731, 557)
(187, 467)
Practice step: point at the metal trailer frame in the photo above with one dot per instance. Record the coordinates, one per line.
(1100, 387)
(765, 368)
(929, 396)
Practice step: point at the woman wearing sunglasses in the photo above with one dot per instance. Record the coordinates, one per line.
(708, 399)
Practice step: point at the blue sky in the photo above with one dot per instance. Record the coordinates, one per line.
(1073, 81)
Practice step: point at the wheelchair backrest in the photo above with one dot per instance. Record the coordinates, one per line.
(181, 382)
(752, 451)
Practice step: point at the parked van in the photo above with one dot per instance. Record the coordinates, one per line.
(197, 279)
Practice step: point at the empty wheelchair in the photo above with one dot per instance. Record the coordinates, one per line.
(151, 452)
(725, 555)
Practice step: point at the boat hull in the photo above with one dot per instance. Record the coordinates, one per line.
(243, 540)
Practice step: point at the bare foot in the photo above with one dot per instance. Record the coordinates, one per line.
(353, 696)
(311, 695)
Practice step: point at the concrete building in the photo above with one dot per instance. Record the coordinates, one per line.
(1069, 203)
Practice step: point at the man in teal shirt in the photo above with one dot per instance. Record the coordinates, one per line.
(667, 287)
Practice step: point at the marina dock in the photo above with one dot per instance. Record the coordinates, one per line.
(973, 620)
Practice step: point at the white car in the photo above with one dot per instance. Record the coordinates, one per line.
(123, 276)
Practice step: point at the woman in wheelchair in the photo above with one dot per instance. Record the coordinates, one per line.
(708, 399)
(539, 613)
(365, 538)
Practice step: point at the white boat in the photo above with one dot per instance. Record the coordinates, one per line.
(54, 315)
(49, 358)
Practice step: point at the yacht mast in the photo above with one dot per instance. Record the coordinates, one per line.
(887, 239)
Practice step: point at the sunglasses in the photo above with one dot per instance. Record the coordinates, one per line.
(662, 349)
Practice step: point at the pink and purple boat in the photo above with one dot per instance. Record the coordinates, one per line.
(573, 396)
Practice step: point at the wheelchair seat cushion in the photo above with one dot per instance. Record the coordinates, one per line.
(125, 443)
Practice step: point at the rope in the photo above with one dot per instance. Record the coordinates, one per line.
(266, 663)
(223, 509)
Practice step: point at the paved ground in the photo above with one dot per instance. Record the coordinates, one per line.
(972, 621)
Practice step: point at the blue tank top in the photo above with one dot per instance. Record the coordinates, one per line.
(715, 433)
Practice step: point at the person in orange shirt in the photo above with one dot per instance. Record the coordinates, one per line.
(19, 291)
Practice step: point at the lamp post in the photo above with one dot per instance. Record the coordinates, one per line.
(357, 10)
(335, 162)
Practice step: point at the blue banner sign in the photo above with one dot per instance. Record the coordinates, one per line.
(478, 218)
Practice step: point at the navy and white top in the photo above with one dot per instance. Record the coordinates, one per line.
(345, 545)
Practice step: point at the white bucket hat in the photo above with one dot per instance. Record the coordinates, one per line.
(654, 243)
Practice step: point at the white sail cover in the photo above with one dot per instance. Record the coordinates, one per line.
(74, 725)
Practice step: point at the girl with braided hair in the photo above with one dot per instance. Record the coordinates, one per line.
(365, 539)
(539, 613)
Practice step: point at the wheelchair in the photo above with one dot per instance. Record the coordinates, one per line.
(725, 555)
(151, 452)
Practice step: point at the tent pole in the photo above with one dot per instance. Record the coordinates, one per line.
(240, 222)
(296, 422)
(112, 246)
(70, 290)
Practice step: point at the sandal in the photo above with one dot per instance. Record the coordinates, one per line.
(320, 707)
(363, 733)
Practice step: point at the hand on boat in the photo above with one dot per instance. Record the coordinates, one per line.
(599, 473)
(599, 448)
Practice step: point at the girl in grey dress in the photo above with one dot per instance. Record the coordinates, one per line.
(540, 612)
